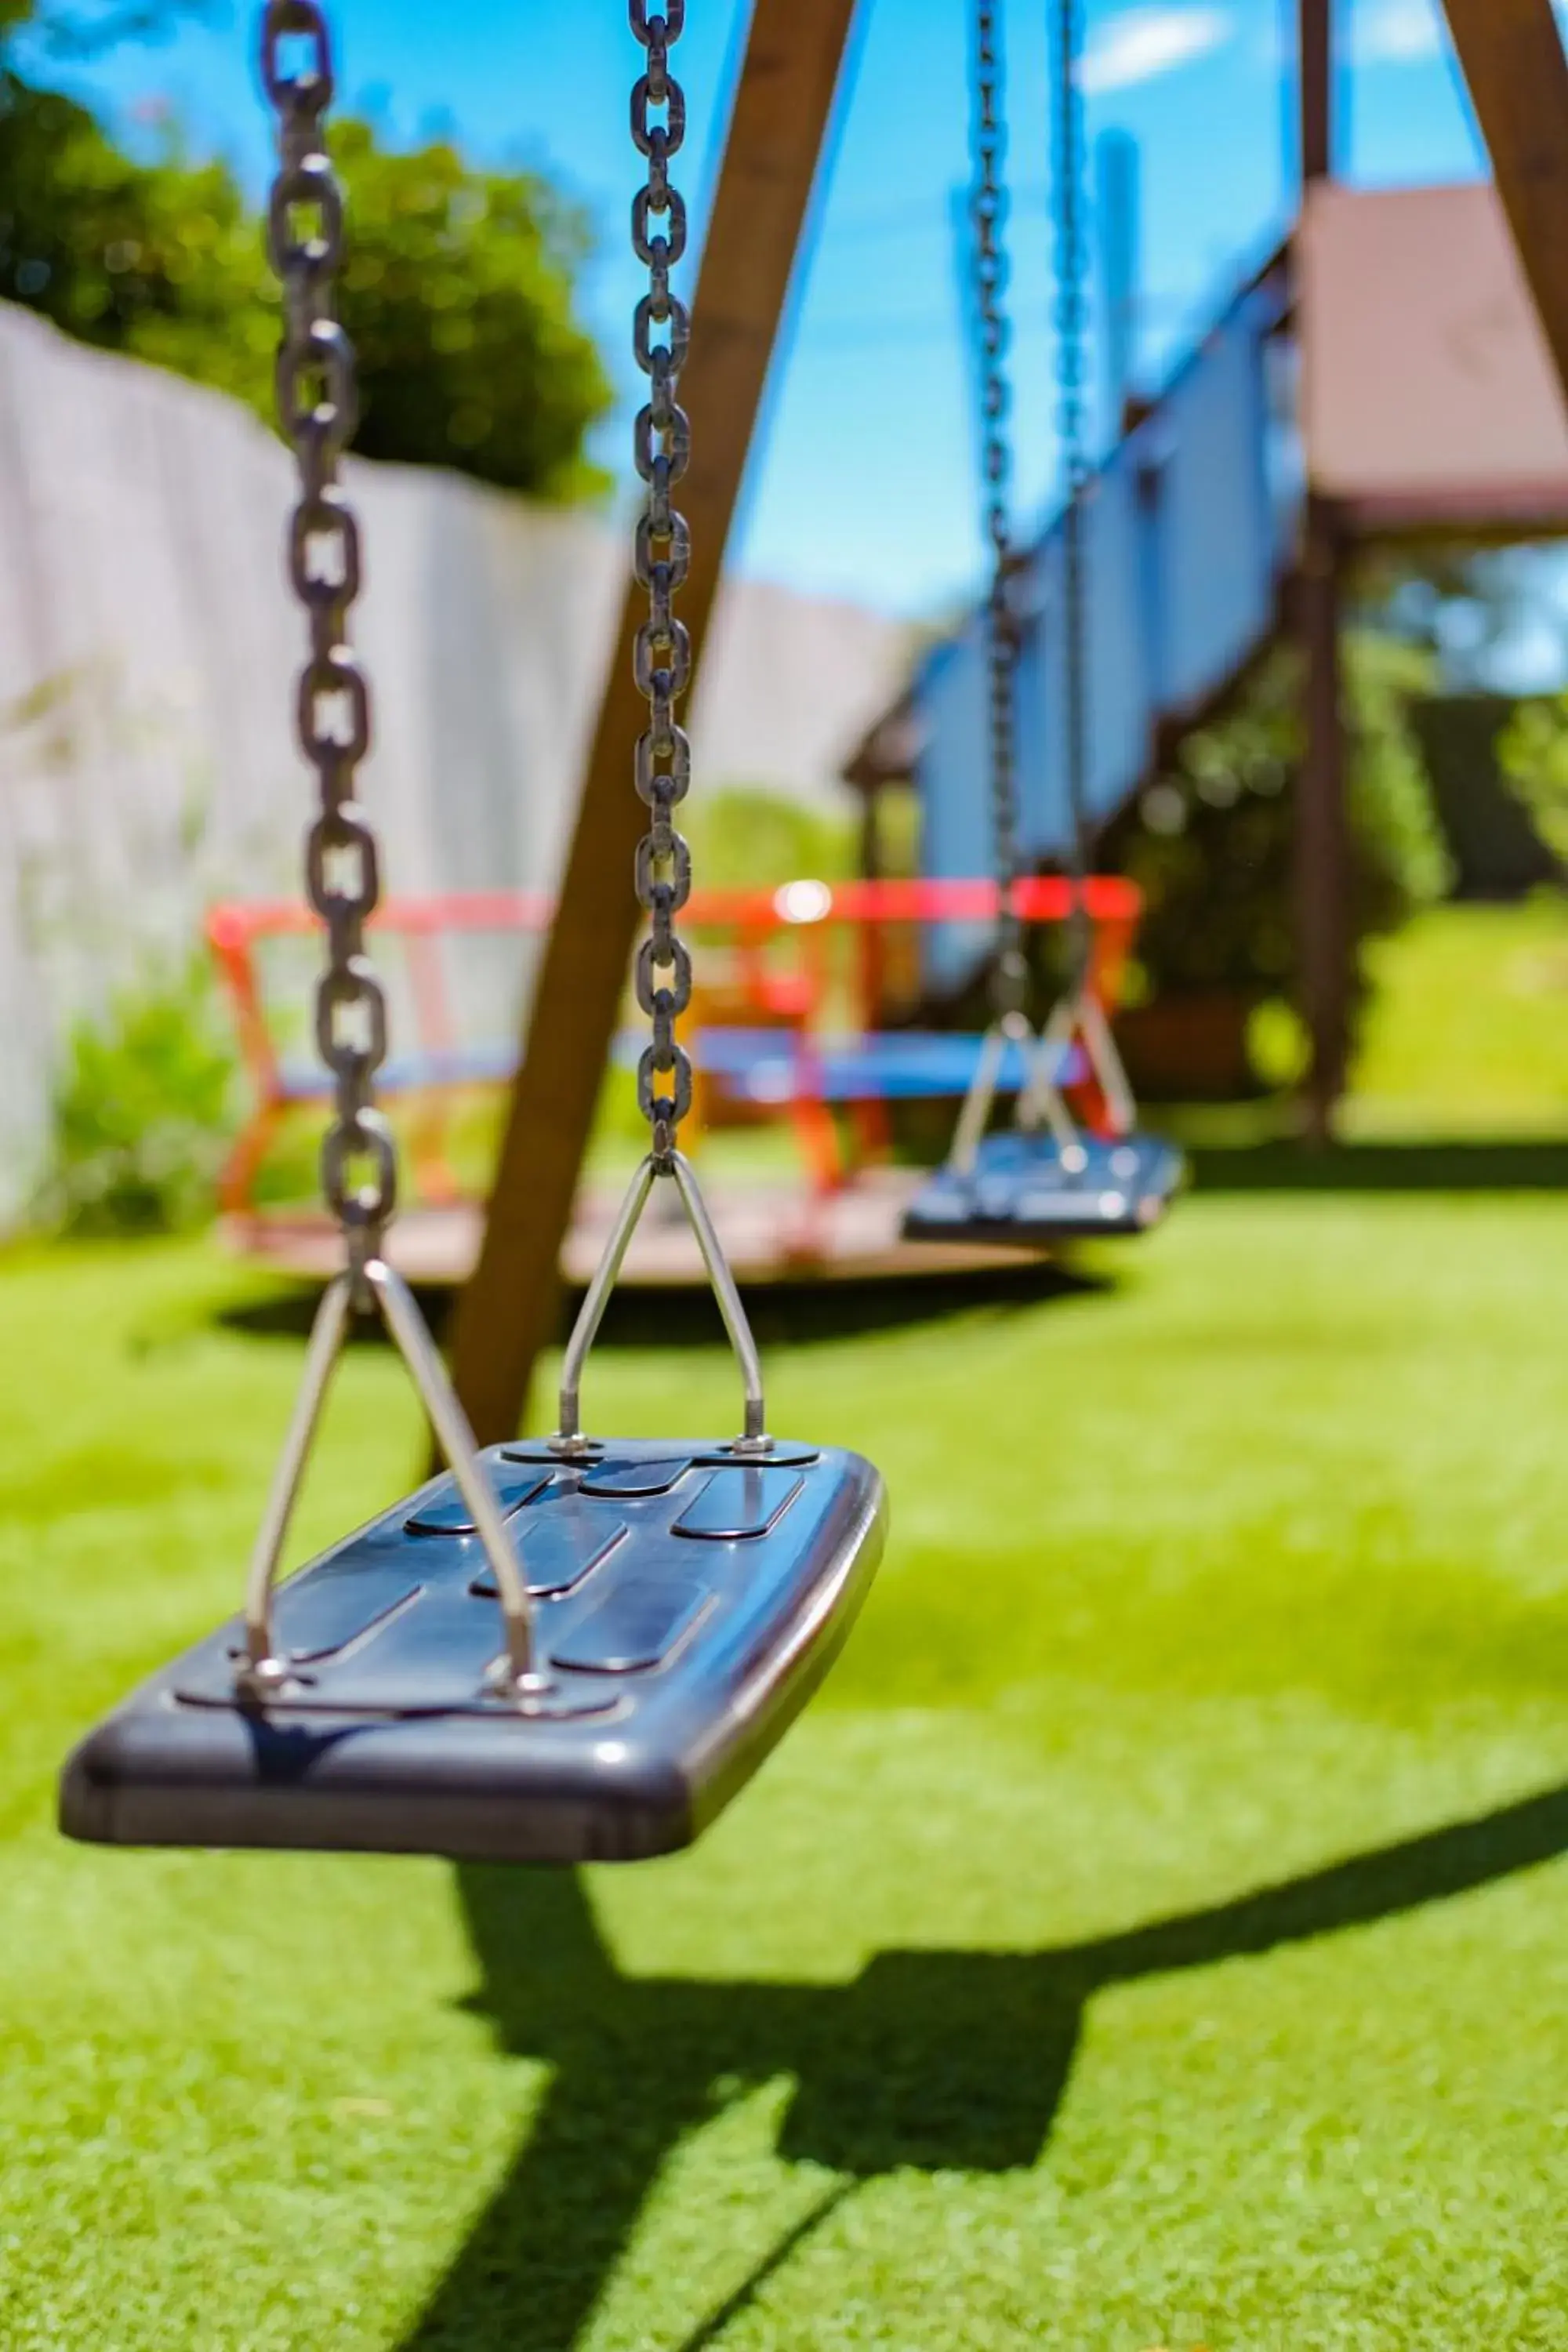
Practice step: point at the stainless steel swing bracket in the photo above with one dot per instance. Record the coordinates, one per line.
(1079, 1014)
(264, 1674)
(1011, 1028)
(568, 1441)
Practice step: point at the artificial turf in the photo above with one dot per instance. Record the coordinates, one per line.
(1466, 1026)
(1153, 1934)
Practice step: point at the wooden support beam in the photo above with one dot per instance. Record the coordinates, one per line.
(1315, 22)
(778, 125)
(1512, 55)
(1323, 842)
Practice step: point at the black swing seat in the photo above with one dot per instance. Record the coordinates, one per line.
(1021, 1189)
(685, 1602)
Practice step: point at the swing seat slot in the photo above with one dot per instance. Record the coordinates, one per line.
(320, 1619)
(1024, 1189)
(634, 1626)
(655, 1476)
(734, 1505)
(448, 1514)
(674, 1667)
(556, 1551)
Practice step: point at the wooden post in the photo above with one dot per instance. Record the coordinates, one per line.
(1324, 875)
(1316, 39)
(1322, 850)
(1512, 55)
(508, 1311)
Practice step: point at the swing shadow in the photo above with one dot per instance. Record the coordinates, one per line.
(1521, 1165)
(938, 2061)
(782, 1314)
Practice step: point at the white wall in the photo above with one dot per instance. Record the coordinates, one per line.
(147, 652)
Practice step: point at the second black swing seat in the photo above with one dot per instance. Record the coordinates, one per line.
(1029, 1189)
(686, 1603)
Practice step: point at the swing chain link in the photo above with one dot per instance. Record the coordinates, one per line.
(662, 556)
(317, 408)
(988, 210)
(1072, 334)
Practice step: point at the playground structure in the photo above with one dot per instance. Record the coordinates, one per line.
(796, 989)
(160, 1774)
(1381, 379)
(542, 1784)
(1512, 55)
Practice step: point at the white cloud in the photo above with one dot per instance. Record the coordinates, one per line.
(1387, 33)
(1395, 33)
(1141, 44)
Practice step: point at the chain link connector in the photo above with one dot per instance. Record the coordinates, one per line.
(324, 552)
(669, 26)
(359, 1172)
(307, 92)
(671, 996)
(661, 659)
(317, 404)
(342, 866)
(309, 185)
(669, 782)
(661, 468)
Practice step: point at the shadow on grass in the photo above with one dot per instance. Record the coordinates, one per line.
(782, 1314)
(942, 2061)
(1430, 1167)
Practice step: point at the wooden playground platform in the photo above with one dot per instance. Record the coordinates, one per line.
(772, 1233)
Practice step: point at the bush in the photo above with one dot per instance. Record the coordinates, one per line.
(458, 287)
(141, 1114)
(457, 294)
(746, 838)
(1211, 843)
(1532, 752)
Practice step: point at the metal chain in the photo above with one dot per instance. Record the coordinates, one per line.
(662, 658)
(317, 408)
(988, 206)
(1072, 340)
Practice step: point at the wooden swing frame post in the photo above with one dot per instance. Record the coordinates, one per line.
(1510, 53)
(1322, 849)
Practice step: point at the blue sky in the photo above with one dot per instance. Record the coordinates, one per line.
(863, 481)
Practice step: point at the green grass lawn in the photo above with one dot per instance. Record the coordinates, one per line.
(1153, 1936)
(1466, 1027)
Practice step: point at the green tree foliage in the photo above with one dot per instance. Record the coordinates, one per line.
(1211, 843)
(1532, 752)
(1467, 607)
(458, 299)
(458, 288)
(744, 838)
(141, 1109)
(158, 260)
